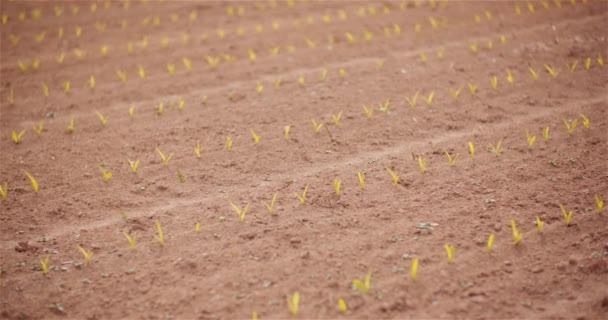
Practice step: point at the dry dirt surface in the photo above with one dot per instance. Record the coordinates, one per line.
(394, 89)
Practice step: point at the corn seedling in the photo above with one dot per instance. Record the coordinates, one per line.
(490, 243)
(600, 60)
(197, 150)
(133, 165)
(187, 63)
(342, 305)
(17, 136)
(337, 187)
(181, 103)
(451, 160)
(164, 158)
(87, 254)
(228, 143)
(473, 47)
(361, 177)
(302, 197)
(270, 206)
(4, 191)
(393, 175)
(316, 126)
(567, 214)
(32, 181)
(380, 64)
(241, 212)
(180, 176)
(494, 83)
(422, 164)
(342, 72)
(252, 55)
(256, 138)
(587, 63)
(105, 174)
(534, 73)
(572, 66)
(440, 53)
(546, 134)
(171, 68)
(212, 61)
(510, 79)
(429, 99)
(423, 57)
(413, 100)
(92, 82)
(366, 286)
(414, 269)
(161, 235)
(132, 111)
(293, 303)
(102, 119)
(586, 122)
(160, 109)
(450, 251)
(530, 139)
(71, 127)
(197, 227)
(323, 75)
(539, 224)
(337, 118)
(517, 236)
(44, 265)
(551, 71)
(383, 107)
(23, 66)
(455, 93)
(286, 131)
(495, 149)
(301, 80)
(570, 126)
(599, 203)
(66, 87)
(259, 88)
(472, 149)
(369, 112)
(45, 89)
(277, 83)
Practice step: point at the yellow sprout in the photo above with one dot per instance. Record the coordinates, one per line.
(450, 251)
(517, 236)
(106, 174)
(490, 243)
(164, 158)
(456, 93)
(551, 71)
(567, 214)
(451, 160)
(530, 139)
(277, 83)
(17, 136)
(228, 143)
(472, 149)
(587, 63)
(342, 305)
(301, 80)
(337, 118)
(4, 191)
(161, 235)
(546, 134)
(366, 286)
(337, 186)
(316, 126)
(473, 47)
(141, 72)
(570, 126)
(197, 227)
(393, 175)
(103, 120)
(496, 148)
(259, 88)
(342, 72)
(87, 254)
(494, 82)
(302, 197)
(380, 64)
(92, 82)
(510, 79)
(213, 62)
(414, 269)
(361, 177)
(180, 176)
(383, 107)
(133, 165)
(66, 87)
(369, 112)
(187, 63)
(422, 164)
(160, 108)
(252, 55)
(44, 265)
(586, 122)
(293, 303)
(323, 75)
(413, 100)
(170, 68)
(256, 138)
(197, 150)
(71, 127)
(423, 58)
(534, 73)
(600, 60)
(181, 103)
(132, 111)
(429, 99)
(599, 203)
(270, 206)
(572, 66)
(286, 130)
(539, 225)
(32, 181)
(45, 89)
(440, 53)
(241, 212)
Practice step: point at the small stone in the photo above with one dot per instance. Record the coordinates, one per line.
(295, 241)
(537, 269)
(507, 263)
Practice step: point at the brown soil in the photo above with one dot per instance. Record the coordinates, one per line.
(232, 268)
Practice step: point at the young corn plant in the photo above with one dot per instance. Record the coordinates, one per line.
(361, 177)
(495, 149)
(165, 159)
(316, 126)
(362, 286)
(44, 265)
(530, 139)
(429, 100)
(337, 118)
(494, 83)
(587, 63)
(160, 109)
(197, 227)
(161, 235)
(570, 126)
(39, 128)
(134, 165)
(586, 122)
(539, 224)
(413, 100)
(293, 303)
(369, 112)
(451, 160)
(450, 250)
(414, 269)
(337, 187)
(270, 206)
(197, 150)
(472, 149)
(567, 214)
(517, 236)
(302, 197)
(490, 243)
(551, 71)
(33, 181)
(256, 138)
(71, 127)
(17, 136)
(87, 254)
(393, 175)
(534, 74)
(286, 131)
(181, 178)
(422, 164)
(383, 107)
(456, 93)
(105, 174)
(241, 212)
(472, 88)
(599, 203)
(510, 79)
(130, 239)
(572, 66)
(4, 191)
(228, 143)
(546, 134)
(342, 305)
(132, 111)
